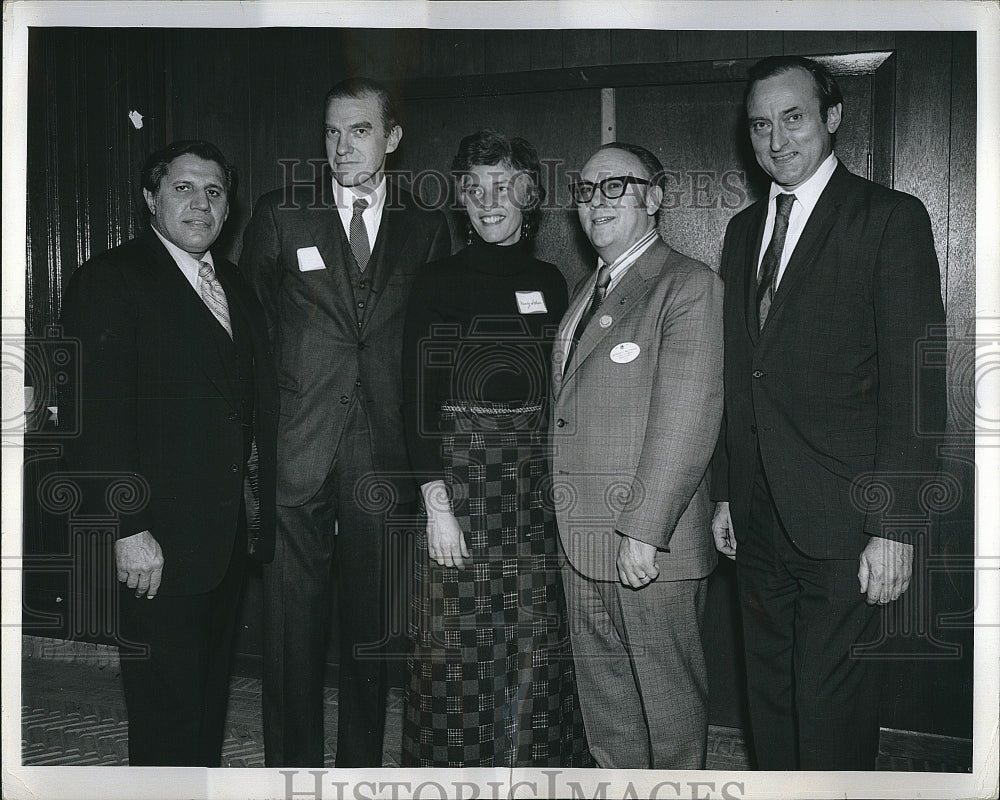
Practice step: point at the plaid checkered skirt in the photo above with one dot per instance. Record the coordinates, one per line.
(491, 672)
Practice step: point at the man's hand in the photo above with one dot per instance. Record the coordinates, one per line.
(139, 561)
(722, 530)
(636, 563)
(445, 540)
(885, 570)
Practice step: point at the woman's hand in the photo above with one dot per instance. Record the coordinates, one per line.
(445, 540)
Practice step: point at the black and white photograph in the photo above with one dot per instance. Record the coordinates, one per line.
(500, 399)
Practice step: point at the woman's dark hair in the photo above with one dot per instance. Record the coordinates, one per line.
(158, 163)
(488, 148)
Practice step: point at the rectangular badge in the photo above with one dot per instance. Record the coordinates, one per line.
(530, 302)
(309, 259)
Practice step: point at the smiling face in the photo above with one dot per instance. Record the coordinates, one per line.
(788, 133)
(613, 226)
(356, 140)
(191, 203)
(494, 197)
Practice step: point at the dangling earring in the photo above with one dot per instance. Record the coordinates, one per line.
(525, 230)
(468, 234)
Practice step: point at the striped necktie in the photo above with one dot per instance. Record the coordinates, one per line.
(213, 295)
(772, 256)
(358, 237)
(600, 292)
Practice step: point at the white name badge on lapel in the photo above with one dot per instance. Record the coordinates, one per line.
(309, 259)
(624, 352)
(530, 302)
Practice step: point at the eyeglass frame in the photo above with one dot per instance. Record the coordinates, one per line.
(599, 186)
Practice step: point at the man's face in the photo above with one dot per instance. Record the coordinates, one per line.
(191, 203)
(613, 226)
(787, 131)
(356, 143)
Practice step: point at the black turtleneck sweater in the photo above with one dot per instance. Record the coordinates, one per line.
(479, 328)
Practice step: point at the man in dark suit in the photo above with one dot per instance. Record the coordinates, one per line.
(637, 400)
(831, 283)
(177, 390)
(332, 263)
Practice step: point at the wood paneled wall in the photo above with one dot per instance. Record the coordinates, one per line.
(257, 93)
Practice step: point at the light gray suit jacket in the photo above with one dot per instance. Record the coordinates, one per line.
(635, 418)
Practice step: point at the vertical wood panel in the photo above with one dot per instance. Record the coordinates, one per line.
(876, 40)
(544, 50)
(761, 44)
(506, 52)
(582, 48)
(923, 118)
(961, 285)
(711, 45)
(470, 53)
(805, 43)
(643, 47)
(438, 52)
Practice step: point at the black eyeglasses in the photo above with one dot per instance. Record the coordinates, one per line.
(611, 188)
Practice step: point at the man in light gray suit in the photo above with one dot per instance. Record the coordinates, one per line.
(637, 373)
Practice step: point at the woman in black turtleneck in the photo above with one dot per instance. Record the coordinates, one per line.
(491, 675)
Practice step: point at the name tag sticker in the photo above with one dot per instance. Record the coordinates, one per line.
(624, 352)
(309, 259)
(530, 302)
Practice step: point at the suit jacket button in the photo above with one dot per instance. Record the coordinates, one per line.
(234, 467)
(753, 429)
(344, 399)
(560, 423)
(758, 374)
(234, 417)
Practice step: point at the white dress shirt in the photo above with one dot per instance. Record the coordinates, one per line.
(806, 197)
(372, 216)
(186, 262)
(619, 268)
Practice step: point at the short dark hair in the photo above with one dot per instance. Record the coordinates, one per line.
(826, 85)
(158, 163)
(487, 148)
(647, 158)
(365, 87)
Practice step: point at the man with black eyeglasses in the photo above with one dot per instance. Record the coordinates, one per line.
(637, 383)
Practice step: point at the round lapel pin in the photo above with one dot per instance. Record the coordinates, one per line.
(605, 321)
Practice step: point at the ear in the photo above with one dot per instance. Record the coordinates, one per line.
(150, 199)
(654, 199)
(833, 118)
(395, 135)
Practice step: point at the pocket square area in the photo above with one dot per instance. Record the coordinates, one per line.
(309, 259)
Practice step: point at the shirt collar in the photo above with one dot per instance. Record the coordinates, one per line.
(344, 196)
(187, 263)
(630, 256)
(808, 193)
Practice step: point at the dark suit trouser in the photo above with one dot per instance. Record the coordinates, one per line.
(177, 696)
(812, 705)
(640, 670)
(297, 599)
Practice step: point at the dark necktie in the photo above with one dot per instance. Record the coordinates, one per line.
(772, 256)
(358, 237)
(600, 292)
(213, 295)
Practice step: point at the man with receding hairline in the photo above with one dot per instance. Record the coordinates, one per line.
(637, 374)
(831, 281)
(332, 263)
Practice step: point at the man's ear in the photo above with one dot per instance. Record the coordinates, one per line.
(393, 139)
(150, 199)
(654, 198)
(833, 118)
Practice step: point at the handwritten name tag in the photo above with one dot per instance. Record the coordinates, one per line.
(530, 302)
(624, 352)
(309, 259)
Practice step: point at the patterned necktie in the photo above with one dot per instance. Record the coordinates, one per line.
(360, 246)
(213, 295)
(600, 292)
(772, 257)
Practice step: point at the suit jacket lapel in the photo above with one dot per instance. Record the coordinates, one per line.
(331, 241)
(393, 233)
(619, 302)
(754, 243)
(824, 214)
(188, 313)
